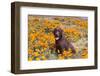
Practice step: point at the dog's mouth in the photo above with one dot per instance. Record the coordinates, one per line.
(57, 38)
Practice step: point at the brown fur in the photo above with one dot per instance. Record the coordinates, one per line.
(61, 43)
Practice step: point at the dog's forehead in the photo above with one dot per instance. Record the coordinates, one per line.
(57, 31)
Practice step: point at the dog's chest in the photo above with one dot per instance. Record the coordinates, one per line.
(61, 43)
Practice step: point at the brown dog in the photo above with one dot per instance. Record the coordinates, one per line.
(60, 42)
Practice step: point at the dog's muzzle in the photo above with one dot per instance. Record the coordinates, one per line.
(57, 38)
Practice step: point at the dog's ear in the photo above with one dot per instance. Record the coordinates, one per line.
(61, 30)
(54, 30)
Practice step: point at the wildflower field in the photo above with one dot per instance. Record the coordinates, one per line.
(41, 39)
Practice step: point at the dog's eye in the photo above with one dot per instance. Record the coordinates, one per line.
(57, 33)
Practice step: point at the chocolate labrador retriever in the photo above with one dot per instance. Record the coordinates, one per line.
(60, 42)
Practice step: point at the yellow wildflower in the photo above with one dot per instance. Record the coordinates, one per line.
(36, 54)
(30, 51)
(37, 58)
(29, 59)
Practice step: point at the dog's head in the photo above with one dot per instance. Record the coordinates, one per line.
(58, 33)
